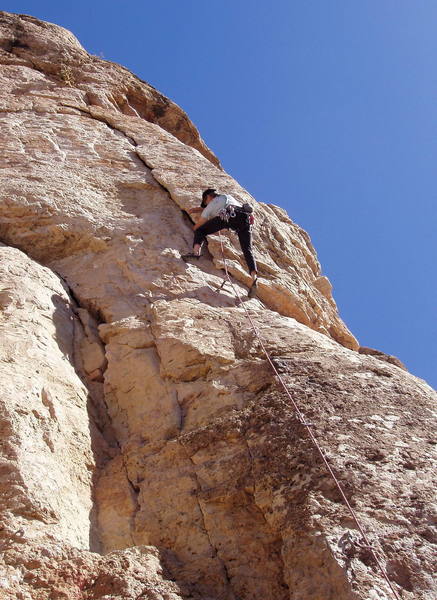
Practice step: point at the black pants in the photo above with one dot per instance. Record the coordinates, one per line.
(240, 224)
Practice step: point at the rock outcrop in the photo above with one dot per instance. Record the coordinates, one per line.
(147, 448)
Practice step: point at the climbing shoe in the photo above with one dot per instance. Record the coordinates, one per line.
(252, 290)
(190, 256)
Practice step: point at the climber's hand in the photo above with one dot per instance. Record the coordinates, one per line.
(199, 223)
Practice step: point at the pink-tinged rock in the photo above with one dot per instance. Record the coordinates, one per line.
(149, 449)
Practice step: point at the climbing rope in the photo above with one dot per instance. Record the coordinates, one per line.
(301, 419)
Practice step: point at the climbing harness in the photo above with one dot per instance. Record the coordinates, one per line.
(301, 418)
(230, 211)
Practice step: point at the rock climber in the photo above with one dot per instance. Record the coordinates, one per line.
(222, 211)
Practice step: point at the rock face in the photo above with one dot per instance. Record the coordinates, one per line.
(148, 450)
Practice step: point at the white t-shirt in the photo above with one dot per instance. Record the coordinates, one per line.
(218, 204)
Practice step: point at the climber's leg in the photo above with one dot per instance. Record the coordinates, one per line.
(211, 226)
(245, 239)
(244, 232)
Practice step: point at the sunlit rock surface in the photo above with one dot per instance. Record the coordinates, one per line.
(147, 448)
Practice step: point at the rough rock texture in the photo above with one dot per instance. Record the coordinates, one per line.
(58, 572)
(126, 181)
(147, 448)
(382, 356)
(57, 54)
(48, 461)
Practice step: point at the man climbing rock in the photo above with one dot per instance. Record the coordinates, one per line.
(222, 211)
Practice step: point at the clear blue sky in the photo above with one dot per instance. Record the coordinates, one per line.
(327, 108)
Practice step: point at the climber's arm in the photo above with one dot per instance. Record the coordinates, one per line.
(199, 223)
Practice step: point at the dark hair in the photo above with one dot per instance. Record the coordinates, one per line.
(208, 192)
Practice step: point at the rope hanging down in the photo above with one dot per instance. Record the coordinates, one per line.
(301, 419)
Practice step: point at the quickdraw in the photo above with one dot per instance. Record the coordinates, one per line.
(227, 213)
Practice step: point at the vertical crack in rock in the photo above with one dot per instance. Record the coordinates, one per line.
(49, 405)
(92, 378)
(134, 495)
(182, 413)
(190, 454)
(208, 534)
(251, 459)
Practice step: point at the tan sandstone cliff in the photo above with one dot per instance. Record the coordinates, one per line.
(147, 448)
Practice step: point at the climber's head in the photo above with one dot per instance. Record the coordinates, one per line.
(207, 196)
